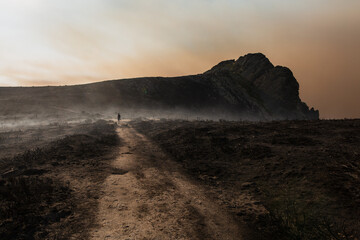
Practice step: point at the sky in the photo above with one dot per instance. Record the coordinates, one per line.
(63, 42)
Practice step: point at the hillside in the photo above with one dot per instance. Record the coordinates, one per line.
(248, 88)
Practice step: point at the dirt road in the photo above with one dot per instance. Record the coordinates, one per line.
(148, 197)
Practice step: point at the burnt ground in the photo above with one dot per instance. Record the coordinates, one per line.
(51, 191)
(19, 136)
(181, 180)
(287, 180)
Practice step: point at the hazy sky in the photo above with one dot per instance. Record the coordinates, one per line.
(57, 42)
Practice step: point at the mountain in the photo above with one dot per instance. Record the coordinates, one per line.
(250, 88)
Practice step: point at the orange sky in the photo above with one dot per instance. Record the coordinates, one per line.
(55, 43)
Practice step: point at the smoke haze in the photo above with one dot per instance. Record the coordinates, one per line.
(58, 42)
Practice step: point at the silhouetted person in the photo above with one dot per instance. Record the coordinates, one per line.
(119, 117)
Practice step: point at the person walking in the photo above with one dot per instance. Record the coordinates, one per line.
(119, 117)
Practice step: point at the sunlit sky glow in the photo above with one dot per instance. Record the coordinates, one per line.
(58, 42)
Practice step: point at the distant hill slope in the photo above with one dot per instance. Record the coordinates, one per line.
(248, 88)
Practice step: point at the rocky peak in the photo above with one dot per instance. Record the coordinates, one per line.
(224, 66)
(276, 87)
(249, 66)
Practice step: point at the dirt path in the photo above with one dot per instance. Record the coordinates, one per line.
(147, 197)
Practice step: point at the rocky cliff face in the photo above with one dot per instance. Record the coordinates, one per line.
(249, 88)
(274, 89)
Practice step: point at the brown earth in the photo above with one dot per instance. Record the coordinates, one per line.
(150, 198)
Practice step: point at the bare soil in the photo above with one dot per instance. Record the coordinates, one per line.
(148, 197)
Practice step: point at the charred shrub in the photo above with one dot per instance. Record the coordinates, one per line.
(27, 206)
(291, 218)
